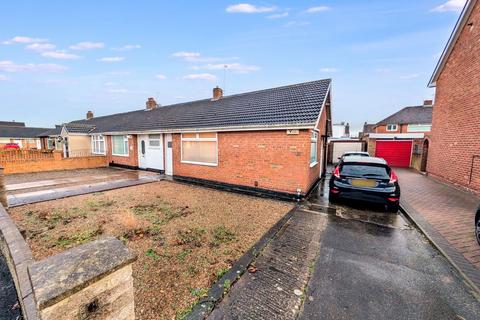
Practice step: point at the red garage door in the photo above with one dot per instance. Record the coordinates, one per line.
(396, 153)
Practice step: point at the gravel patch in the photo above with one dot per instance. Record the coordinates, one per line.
(186, 237)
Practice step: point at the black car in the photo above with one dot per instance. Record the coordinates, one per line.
(477, 225)
(366, 179)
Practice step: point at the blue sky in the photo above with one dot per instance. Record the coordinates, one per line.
(59, 59)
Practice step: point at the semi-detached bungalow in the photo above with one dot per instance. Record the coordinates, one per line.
(270, 141)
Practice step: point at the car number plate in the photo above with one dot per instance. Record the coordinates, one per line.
(364, 183)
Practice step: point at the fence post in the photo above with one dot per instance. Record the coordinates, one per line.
(3, 191)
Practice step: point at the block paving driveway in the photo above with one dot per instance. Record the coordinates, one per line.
(344, 262)
(447, 216)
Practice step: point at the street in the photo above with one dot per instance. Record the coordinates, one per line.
(368, 264)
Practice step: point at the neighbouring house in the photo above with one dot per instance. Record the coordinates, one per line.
(340, 130)
(72, 139)
(341, 141)
(17, 132)
(402, 138)
(269, 141)
(454, 154)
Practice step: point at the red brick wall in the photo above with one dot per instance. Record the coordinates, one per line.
(456, 113)
(131, 159)
(275, 160)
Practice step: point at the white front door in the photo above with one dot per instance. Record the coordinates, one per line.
(168, 154)
(150, 151)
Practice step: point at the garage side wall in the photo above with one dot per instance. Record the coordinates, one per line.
(454, 153)
(272, 160)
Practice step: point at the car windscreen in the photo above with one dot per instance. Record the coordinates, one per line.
(365, 171)
(356, 155)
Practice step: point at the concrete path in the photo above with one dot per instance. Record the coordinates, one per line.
(368, 264)
(446, 215)
(37, 190)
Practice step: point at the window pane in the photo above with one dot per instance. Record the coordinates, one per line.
(189, 135)
(208, 135)
(357, 170)
(200, 151)
(154, 140)
(120, 146)
(313, 152)
(154, 136)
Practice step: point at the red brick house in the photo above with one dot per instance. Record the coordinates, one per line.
(455, 149)
(270, 141)
(402, 138)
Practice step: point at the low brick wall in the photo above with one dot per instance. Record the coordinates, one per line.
(54, 163)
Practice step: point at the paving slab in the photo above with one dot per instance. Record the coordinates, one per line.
(446, 216)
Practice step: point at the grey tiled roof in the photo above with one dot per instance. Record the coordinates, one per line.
(369, 128)
(12, 124)
(297, 104)
(410, 115)
(79, 127)
(20, 132)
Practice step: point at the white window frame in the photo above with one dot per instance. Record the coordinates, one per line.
(391, 126)
(159, 141)
(98, 138)
(125, 140)
(417, 127)
(197, 138)
(314, 138)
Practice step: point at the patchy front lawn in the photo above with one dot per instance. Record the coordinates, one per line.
(185, 236)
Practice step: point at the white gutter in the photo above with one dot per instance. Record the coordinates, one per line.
(396, 135)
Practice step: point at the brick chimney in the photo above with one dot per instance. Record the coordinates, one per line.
(347, 130)
(217, 93)
(89, 115)
(428, 102)
(151, 104)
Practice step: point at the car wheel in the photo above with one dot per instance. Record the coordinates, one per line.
(393, 207)
(332, 197)
(477, 229)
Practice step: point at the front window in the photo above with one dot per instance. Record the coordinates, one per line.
(200, 148)
(98, 144)
(392, 127)
(50, 143)
(313, 148)
(120, 145)
(419, 128)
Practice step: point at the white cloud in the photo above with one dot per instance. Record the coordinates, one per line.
(235, 67)
(119, 90)
(40, 47)
(317, 9)
(87, 45)
(297, 24)
(278, 15)
(109, 84)
(248, 8)
(62, 55)
(127, 47)
(3, 77)
(410, 76)
(120, 73)
(111, 59)
(200, 76)
(21, 39)
(161, 77)
(328, 70)
(450, 5)
(9, 66)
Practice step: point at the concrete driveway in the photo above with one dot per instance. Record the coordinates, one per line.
(36, 187)
(343, 262)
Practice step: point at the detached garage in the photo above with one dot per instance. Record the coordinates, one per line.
(338, 147)
(396, 153)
